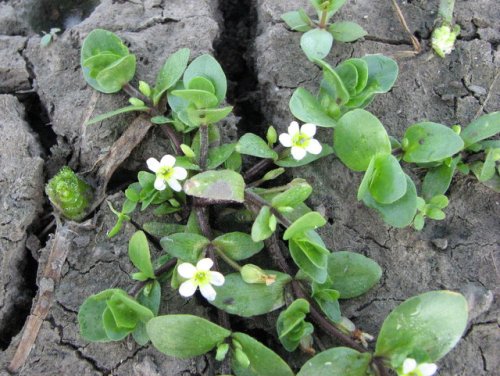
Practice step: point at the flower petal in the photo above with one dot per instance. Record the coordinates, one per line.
(427, 369)
(208, 292)
(188, 288)
(186, 270)
(204, 264)
(409, 365)
(293, 128)
(285, 140)
(216, 278)
(180, 173)
(308, 129)
(174, 184)
(167, 161)
(314, 147)
(153, 164)
(298, 153)
(160, 184)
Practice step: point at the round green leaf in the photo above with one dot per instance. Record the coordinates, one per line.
(485, 126)
(237, 297)
(238, 245)
(388, 182)
(382, 73)
(184, 336)
(358, 137)
(399, 213)
(113, 331)
(346, 31)
(223, 185)
(316, 43)
(251, 144)
(425, 328)
(339, 361)
(200, 98)
(185, 246)
(304, 106)
(207, 67)
(429, 142)
(293, 196)
(138, 252)
(352, 274)
(263, 361)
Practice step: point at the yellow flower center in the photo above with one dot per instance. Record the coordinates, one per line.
(300, 139)
(165, 173)
(201, 277)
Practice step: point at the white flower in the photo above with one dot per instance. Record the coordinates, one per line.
(411, 368)
(300, 140)
(167, 173)
(199, 276)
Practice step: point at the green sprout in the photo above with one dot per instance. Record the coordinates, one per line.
(69, 194)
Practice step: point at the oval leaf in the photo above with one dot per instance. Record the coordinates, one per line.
(388, 182)
(138, 252)
(304, 106)
(207, 67)
(223, 185)
(358, 137)
(184, 336)
(339, 361)
(251, 144)
(238, 245)
(309, 221)
(170, 73)
(352, 274)
(346, 31)
(485, 126)
(316, 43)
(185, 246)
(425, 328)
(244, 299)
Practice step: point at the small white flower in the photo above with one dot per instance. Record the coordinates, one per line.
(301, 140)
(167, 173)
(199, 276)
(411, 368)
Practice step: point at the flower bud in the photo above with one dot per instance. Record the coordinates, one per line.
(253, 274)
(136, 102)
(443, 39)
(271, 135)
(188, 152)
(144, 88)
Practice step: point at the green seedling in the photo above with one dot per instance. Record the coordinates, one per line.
(49, 37)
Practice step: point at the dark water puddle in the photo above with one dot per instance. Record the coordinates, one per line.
(63, 14)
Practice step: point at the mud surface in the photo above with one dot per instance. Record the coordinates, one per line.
(47, 102)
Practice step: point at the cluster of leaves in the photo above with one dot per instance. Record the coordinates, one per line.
(423, 328)
(70, 194)
(318, 36)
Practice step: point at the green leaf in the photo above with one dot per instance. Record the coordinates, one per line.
(425, 328)
(146, 179)
(367, 180)
(170, 73)
(138, 252)
(184, 336)
(200, 98)
(388, 182)
(208, 116)
(126, 311)
(344, 70)
(251, 144)
(328, 300)
(358, 137)
(90, 316)
(185, 246)
(309, 158)
(201, 83)
(150, 297)
(224, 185)
(238, 245)
(297, 20)
(106, 62)
(260, 228)
(338, 361)
(160, 229)
(293, 196)
(207, 67)
(218, 155)
(436, 214)
(484, 127)
(46, 39)
(310, 256)
(304, 106)
(333, 84)
(437, 180)
(382, 73)
(263, 361)
(291, 325)
(345, 31)
(309, 221)
(399, 213)
(489, 165)
(113, 331)
(316, 43)
(428, 142)
(237, 297)
(352, 273)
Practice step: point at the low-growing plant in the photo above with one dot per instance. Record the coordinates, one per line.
(205, 178)
(319, 35)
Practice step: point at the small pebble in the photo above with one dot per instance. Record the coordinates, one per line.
(479, 90)
(479, 299)
(440, 243)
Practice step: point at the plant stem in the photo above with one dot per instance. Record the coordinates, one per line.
(158, 273)
(134, 92)
(257, 201)
(261, 166)
(170, 133)
(446, 11)
(203, 146)
(324, 17)
(228, 260)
